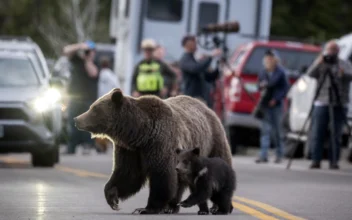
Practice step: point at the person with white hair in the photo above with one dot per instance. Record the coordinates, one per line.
(274, 80)
(341, 71)
(149, 73)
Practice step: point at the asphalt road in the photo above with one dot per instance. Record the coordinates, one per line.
(74, 190)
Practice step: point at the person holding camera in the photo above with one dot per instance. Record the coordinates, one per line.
(197, 75)
(341, 72)
(82, 89)
(274, 80)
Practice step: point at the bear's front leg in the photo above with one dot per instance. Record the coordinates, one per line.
(127, 178)
(163, 186)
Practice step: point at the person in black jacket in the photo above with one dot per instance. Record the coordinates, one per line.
(196, 74)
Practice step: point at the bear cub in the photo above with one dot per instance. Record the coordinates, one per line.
(207, 178)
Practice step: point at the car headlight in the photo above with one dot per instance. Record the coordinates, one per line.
(47, 101)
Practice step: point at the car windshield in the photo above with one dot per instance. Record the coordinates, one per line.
(16, 72)
(292, 60)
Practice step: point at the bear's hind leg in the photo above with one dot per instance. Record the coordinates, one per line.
(203, 208)
(223, 200)
(214, 208)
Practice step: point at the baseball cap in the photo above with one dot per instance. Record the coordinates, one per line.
(148, 44)
(91, 44)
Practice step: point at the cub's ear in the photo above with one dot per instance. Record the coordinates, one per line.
(196, 151)
(178, 151)
(117, 96)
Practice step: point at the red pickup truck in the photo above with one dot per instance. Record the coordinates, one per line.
(236, 98)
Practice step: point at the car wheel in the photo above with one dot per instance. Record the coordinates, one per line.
(233, 138)
(295, 145)
(57, 155)
(44, 158)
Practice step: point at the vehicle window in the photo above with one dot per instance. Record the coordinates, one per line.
(208, 14)
(292, 60)
(17, 73)
(40, 62)
(165, 10)
(37, 59)
(238, 59)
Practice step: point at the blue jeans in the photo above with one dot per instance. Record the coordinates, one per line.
(320, 125)
(75, 108)
(272, 130)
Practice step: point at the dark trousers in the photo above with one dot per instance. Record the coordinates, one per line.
(271, 129)
(320, 125)
(75, 108)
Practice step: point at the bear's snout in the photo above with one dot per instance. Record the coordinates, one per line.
(78, 123)
(75, 119)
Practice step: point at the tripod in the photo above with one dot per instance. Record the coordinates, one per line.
(334, 97)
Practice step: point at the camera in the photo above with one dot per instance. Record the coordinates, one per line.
(330, 58)
(228, 27)
(86, 52)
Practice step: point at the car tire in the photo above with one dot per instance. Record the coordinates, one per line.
(44, 158)
(290, 144)
(235, 140)
(57, 155)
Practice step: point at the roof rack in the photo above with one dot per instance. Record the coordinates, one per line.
(15, 38)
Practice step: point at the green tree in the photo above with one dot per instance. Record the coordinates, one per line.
(317, 20)
(52, 24)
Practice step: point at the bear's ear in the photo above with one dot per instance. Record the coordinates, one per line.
(178, 151)
(196, 151)
(117, 96)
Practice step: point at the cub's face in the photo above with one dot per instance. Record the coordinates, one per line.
(185, 158)
(101, 117)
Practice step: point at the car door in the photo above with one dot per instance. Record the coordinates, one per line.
(301, 95)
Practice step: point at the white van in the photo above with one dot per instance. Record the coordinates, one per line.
(167, 21)
(301, 96)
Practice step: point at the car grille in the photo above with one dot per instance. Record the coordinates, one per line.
(14, 133)
(13, 114)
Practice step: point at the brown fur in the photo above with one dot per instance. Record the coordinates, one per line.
(146, 131)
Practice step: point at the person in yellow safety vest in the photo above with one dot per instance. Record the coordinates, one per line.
(149, 73)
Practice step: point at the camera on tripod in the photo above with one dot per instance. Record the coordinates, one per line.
(213, 31)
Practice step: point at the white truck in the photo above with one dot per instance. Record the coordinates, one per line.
(167, 21)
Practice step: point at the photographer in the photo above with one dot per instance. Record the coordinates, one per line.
(196, 73)
(341, 72)
(82, 89)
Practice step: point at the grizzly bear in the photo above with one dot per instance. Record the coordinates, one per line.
(146, 132)
(208, 178)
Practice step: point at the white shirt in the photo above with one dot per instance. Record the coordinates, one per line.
(107, 81)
